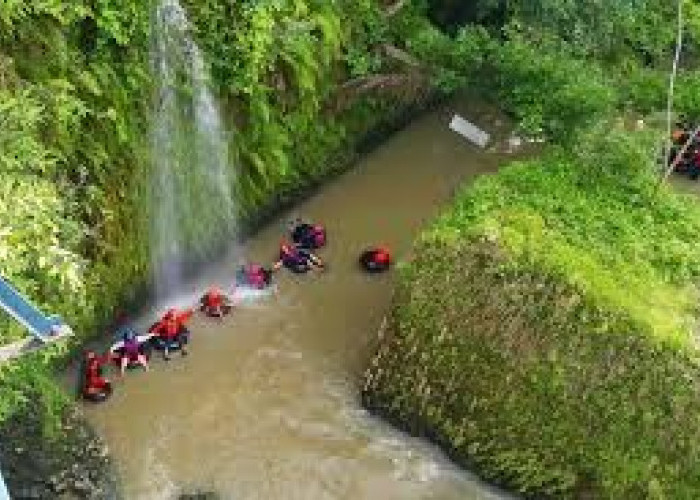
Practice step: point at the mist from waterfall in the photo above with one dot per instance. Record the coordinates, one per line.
(191, 201)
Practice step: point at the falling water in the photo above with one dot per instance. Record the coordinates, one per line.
(191, 203)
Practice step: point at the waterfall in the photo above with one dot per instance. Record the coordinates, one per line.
(191, 206)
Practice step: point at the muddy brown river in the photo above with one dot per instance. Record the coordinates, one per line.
(266, 405)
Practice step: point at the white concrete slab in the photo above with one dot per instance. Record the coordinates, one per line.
(469, 131)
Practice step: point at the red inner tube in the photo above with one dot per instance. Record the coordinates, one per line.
(375, 260)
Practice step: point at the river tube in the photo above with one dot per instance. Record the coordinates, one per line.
(296, 259)
(375, 260)
(307, 235)
(181, 338)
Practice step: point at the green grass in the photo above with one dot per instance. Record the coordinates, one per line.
(598, 223)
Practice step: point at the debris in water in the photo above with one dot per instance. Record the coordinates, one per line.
(469, 130)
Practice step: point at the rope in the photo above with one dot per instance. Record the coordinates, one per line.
(669, 104)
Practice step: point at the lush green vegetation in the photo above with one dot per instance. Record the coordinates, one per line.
(605, 226)
(556, 66)
(545, 332)
(73, 108)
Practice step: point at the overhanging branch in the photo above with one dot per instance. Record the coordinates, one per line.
(394, 8)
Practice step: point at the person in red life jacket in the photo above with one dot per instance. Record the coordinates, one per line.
(171, 332)
(307, 235)
(679, 137)
(94, 386)
(298, 260)
(376, 259)
(215, 304)
(253, 276)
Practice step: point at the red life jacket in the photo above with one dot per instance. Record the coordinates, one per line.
(93, 374)
(168, 327)
(94, 368)
(184, 316)
(172, 323)
(213, 300)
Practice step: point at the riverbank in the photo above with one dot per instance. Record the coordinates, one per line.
(73, 463)
(545, 332)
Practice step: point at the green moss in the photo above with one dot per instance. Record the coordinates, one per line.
(545, 332)
(602, 225)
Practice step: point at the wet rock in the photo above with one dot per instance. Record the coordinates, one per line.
(83, 486)
(56, 483)
(31, 493)
(514, 142)
(71, 464)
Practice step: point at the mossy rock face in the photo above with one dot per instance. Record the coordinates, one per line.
(507, 347)
(502, 369)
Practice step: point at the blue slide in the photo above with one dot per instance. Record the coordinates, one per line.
(4, 494)
(44, 328)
